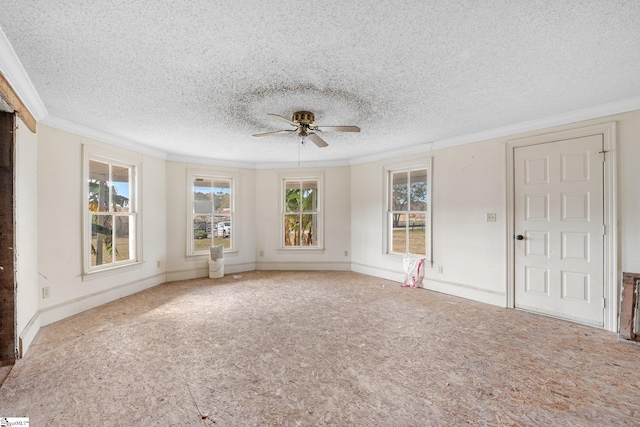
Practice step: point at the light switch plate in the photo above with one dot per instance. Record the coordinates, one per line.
(491, 217)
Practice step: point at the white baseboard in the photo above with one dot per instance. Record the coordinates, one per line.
(197, 273)
(449, 288)
(466, 291)
(28, 334)
(300, 266)
(382, 273)
(66, 309)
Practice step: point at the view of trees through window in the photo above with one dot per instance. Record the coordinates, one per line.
(300, 213)
(408, 211)
(112, 216)
(212, 216)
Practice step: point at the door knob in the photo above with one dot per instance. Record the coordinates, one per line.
(519, 237)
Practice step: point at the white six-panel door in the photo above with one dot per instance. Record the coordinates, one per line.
(558, 224)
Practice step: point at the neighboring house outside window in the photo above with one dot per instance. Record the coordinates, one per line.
(212, 217)
(301, 212)
(409, 210)
(111, 220)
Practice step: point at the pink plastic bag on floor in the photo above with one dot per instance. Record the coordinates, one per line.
(413, 271)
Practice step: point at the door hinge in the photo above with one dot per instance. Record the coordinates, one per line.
(604, 230)
(604, 303)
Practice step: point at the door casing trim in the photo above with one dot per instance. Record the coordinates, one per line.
(611, 272)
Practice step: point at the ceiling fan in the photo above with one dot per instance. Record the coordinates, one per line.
(305, 126)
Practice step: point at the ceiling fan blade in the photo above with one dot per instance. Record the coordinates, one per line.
(315, 138)
(273, 133)
(284, 119)
(338, 128)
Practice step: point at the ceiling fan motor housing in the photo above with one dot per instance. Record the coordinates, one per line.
(303, 117)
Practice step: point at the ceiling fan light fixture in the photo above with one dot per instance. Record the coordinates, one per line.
(305, 125)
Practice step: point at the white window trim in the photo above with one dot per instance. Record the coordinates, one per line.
(211, 174)
(135, 203)
(317, 176)
(399, 166)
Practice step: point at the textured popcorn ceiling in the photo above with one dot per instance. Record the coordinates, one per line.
(196, 78)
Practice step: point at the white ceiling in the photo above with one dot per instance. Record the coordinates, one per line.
(194, 79)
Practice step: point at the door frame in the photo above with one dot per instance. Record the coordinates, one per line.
(611, 271)
(8, 326)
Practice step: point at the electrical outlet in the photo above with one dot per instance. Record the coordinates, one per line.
(440, 269)
(346, 253)
(491, 217)
(159, 264)
(261, 253)
(45, 292)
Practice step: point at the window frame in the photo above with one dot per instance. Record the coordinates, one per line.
(134, 164)
(318, 177)
(192, 174)
(407, 166)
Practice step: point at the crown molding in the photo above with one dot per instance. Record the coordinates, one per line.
(209, 161)
(396, 152)
(599, 111)
(296, 165)
(14, 72)
(80, 130)
(257, 166)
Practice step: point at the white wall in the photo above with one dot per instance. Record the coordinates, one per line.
(629, 190)
(26, 218)
(179, 265)
(60, 208)
(468, 182)
(337, 224)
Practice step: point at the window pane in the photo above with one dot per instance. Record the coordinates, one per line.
(417, 242)
(201, 232)
(399, 233)
(202, 196)
(101, 240)
(399, 199)
(98, 186)
(418, 193)
(119, 189)
(309, 196)
(308, 230)
(292, 230)
(222, 230)
(224, 241)
(292, 196)
(222, 196)
(123, 244)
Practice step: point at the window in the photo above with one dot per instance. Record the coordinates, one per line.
(301, 212)
(111, 214)
(408, 212)
(212, 220)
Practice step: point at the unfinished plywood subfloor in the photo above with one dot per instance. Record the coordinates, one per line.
(311, 348)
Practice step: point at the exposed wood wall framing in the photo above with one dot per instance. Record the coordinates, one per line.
(9, 95)
(628, 306)
(7, 241)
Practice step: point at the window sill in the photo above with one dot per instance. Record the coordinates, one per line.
(97, 274)
(301, 250)
(234, 252)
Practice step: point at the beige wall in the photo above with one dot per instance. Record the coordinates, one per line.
(179, 265)
(336, 236)
(468, 182)
(60, 210)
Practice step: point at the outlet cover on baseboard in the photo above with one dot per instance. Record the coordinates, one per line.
(45, 292)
